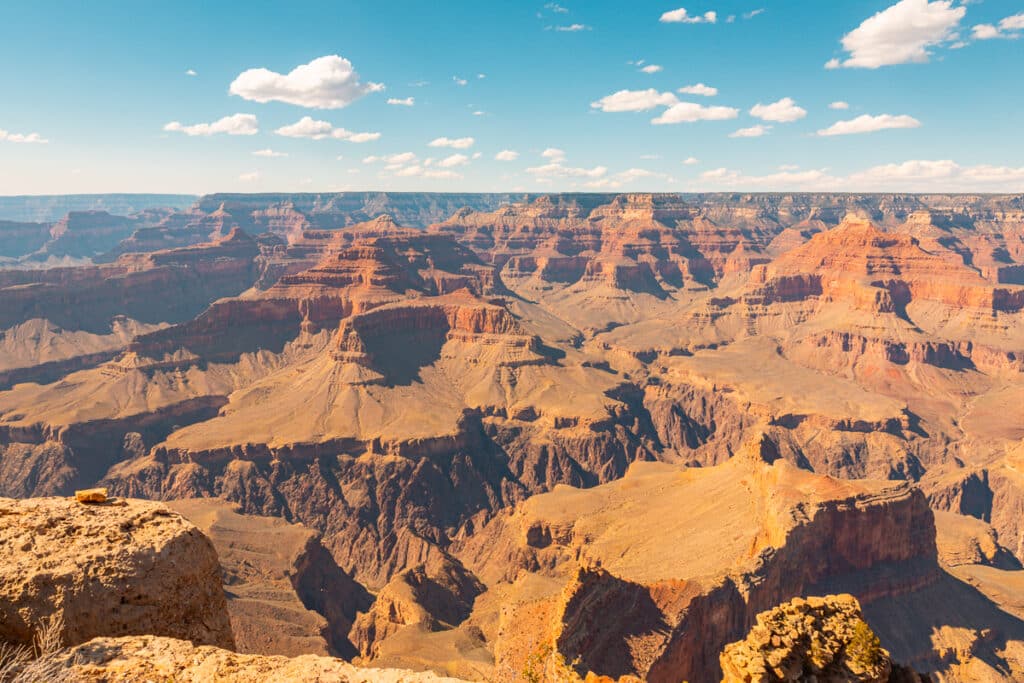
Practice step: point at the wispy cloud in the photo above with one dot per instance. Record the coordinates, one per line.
(236, 124)
(869, 124)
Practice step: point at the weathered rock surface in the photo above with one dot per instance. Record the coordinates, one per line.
(150, 658)
(124, 567)
(823, 639)
(286, 596)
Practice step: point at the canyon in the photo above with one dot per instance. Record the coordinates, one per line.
(450, 432)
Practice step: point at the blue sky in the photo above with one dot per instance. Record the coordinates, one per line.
(98, 96)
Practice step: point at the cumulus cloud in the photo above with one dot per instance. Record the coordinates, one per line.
(691, 161)
(554, 154)
(328, 82)
(453, 161)
(1008, 28)
(404, 102)
(25, 138)
(507, 155)
(688, 112)
(191, 72)
(784, 180)
(399, 159)
(783, 111)
(236, 124)
(308, 127)
(651, 68)
(634, 100)
(699, 89)
(557, 170)
(269, 153)
(839, 105)
(752, 132)
(869, 124)
(454, 143)
(681, 16)
(904, 33)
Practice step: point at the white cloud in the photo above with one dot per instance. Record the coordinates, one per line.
(904, 33)
(479, 113)
(941, 175)
(308, 127)
(908, 176)
(269, 153)
(399, 159)
(752, 132)
(681, 16)
(699, 89)
(633, 174)
(26, 138)
(869, 124)
(651, 68)
(555, 7)
(784, 180)
(783, 111)
(570, 28)
(459, 81)
(1014, 23)
(453, 161)
(250, 177)
(191, 72)
(634, 100)
(1007, 28)
(236, 124)
(691, 161)
(328, 82)
(481, 76)
(788, 167)
(557, 170)
(839, 105)
(554, 154)
(688, 112)
(456, 143)
(416, 170)
(405, 102)
(507, 155)
(754, 13)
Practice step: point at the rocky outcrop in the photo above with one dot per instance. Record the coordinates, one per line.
(150, 658)
(286, 595)
(434, 596)
(824, 639)
(122, 567)
(642, 604)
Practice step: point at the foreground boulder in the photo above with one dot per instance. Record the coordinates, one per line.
(127, 567)
(149, 658)
(824, 639)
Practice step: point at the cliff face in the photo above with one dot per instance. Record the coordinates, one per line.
(127, 567)
(644, 605)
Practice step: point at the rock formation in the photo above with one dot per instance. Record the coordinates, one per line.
(824, 639)
(119, 568)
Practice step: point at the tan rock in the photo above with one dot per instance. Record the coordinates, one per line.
(150, 658)
(136, 568)
(91, 496)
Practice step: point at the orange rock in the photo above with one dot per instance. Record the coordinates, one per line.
(91, 496)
